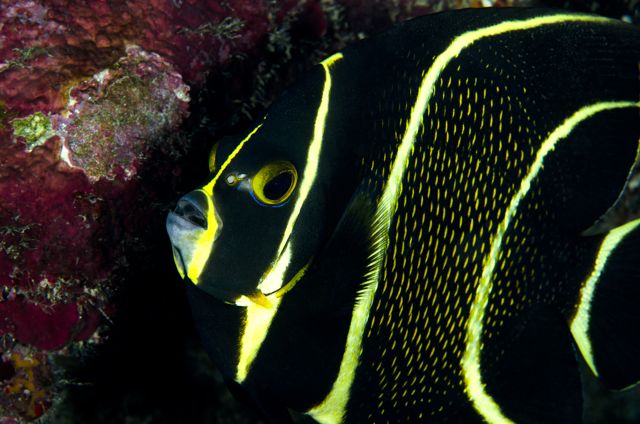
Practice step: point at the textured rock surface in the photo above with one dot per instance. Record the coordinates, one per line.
(94, 99)
(91, 97)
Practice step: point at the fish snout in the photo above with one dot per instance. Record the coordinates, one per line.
(193, 226)
(192, 208)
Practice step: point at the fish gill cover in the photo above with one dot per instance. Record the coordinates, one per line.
(93, 101)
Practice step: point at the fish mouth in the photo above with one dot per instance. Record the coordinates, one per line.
(181, 233)
(177, 227)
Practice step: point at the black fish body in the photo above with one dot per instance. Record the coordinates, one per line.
(408, 234)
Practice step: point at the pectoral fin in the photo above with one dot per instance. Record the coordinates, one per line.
(342, 264)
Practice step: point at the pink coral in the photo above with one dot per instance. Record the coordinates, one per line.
(89, 92)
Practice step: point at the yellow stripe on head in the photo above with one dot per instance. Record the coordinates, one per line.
(203, 242)
(258, 318)
(202, 245)
(208, 189)
(259, 314)
(275, 279)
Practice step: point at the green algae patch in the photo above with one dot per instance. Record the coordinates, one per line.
(121, 114)
(35, 129)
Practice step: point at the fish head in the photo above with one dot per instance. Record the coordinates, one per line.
(254, 225)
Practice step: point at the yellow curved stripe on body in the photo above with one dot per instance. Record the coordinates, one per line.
(275, 279)
(580, 321)
(258, 318)
(482, 401)
(333, 408)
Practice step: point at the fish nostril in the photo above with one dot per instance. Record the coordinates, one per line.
(189, 209)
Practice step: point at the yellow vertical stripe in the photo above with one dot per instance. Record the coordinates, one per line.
(271, 283)
(258, 318)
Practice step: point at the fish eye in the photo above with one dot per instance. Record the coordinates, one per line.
(274, 183)
(212, 157)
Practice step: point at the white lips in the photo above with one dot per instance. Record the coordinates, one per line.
(186, 238)
(179, 229)
(183, 235)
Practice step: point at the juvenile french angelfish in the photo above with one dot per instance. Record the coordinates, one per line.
(408, 234)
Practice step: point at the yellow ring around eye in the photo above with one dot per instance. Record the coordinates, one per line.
(270, 190)
(212, 157)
